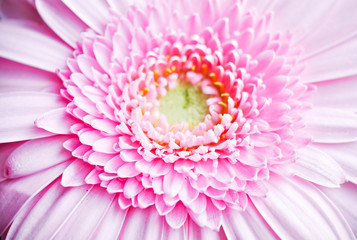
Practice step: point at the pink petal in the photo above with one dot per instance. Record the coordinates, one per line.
(93, 177)
(118, 51)
(146, 198)
(49, 212)
(246, 38)
(18, 77)
(171, 233)
(89, 137)
(188, 194)
(257, 188)
(100, 159)
(289, 11)
(21, 110)
(80, 151)
(105, 145)
(56, 121)
(197, 232)
(132, 188)
(20, 9)
(5, 150)
(334, 62)
(95, 13)
(78, 225)
(345, 155)
(71, 144)
(27, 43)
(161, 206)
(86, 105)
(61, 20)
(75, 173)
(36, 155)
(111, 224)
(104, 125)
(143, 166)
(126, 143)
(265, 139)
(329, 125)
(127, 170)
(115, 186)
(103, 55)
(298, 210)
(130, 155)
(172, 183)
(143, 224)
(199, 205)
(338, 94)
(225, 172)
(156, 19)
(214, 216)
(157, 185)
(247, 224)
(177, 217)
(15, 192)
(119, 6)
(259, 5)
(344, 198)
(113, 164)
(251, 158)
(265, 59)
(332, 32)
(124, 202)
(159, 168)
(318, 167)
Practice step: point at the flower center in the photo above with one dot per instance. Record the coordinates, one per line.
(176, 119)
(184, 103)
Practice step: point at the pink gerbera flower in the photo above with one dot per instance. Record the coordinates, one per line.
(170, 119)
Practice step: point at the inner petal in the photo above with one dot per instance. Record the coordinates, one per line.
(185, 103)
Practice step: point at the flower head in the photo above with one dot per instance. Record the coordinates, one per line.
(202, 118)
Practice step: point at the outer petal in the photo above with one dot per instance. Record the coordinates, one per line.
(291, 12)
(173, 234)
(143, 224)
(297, 210)
(28, 43)
(258, 5)
(318, 167)
(46, 216)
(345, 200)
(75, 174)
(20, 9)
(338, 26)
(93, 13)
(15, 192)
(18, 77)
(80, 225)
(177, 217)
(61, 20)
(329, 125)
(19, 110)
(111, 224)
(335, 62)
(56, 121)
(195, 232)
(120, 6)
(246, 225)
(345, 155)
(35, 155)
(5, 150)
(338, 94)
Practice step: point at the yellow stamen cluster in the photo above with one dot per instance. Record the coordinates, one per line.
(204, 70)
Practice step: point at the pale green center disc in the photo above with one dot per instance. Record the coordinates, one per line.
(185, 103)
